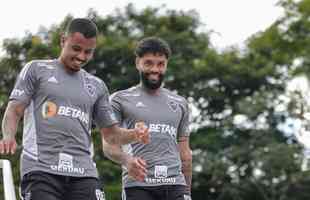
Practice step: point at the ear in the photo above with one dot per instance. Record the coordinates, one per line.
(62, 40)
(137, 64)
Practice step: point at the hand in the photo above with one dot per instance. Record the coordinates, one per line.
(136, 168)
(142, 133)
(8, 146)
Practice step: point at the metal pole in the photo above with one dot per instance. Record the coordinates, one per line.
(9, 189)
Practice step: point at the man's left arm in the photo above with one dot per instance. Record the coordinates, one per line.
(186, 158)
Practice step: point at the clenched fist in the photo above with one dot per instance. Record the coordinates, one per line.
(142, 133)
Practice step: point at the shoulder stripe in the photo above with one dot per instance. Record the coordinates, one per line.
(112, 96)
(175, 98)
(46, 63)
(25, 70)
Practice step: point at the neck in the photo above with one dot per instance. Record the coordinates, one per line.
(68, 70)
(150, 91)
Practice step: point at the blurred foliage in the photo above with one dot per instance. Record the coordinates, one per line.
(239, 151)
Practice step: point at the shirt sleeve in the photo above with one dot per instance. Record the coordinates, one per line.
(25, 84)
(183, 129)
(116, 106)
(103, 113)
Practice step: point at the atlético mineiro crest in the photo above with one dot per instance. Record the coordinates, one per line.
(91, 89)
(173, 105)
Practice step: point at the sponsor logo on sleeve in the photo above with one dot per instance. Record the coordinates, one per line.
(18, 92)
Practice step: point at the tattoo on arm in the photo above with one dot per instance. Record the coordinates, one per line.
(14, 112)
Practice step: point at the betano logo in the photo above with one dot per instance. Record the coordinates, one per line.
(163, 128)
(50, 109)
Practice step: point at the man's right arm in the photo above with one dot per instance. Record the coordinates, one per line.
(13, 114)
(114, 153)
(116, 135)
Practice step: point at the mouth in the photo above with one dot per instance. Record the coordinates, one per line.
(78, 63)
(152, 80)
(153, 77)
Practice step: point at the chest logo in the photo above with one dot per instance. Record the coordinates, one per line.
(49, 109)
(91, 89)
(140, 105)
(173, 105)
(52, 80)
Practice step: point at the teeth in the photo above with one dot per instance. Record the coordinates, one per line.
(153, 76)
(78, 62)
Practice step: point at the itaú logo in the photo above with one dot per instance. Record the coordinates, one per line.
(50, 109)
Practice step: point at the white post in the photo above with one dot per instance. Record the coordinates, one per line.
(8, 184)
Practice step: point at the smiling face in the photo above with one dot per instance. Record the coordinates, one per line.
(152, 68)
(76, 51)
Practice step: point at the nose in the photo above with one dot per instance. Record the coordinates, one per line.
(82, 56)
(155, 69)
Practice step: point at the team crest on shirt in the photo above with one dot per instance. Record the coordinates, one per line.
(173, 105)
(91, 89)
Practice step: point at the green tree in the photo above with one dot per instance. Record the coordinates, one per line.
(239, 151)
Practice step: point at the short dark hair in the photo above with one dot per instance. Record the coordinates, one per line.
(152, 45)
(84, 26)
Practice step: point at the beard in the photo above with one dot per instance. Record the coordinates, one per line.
(151, 84)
